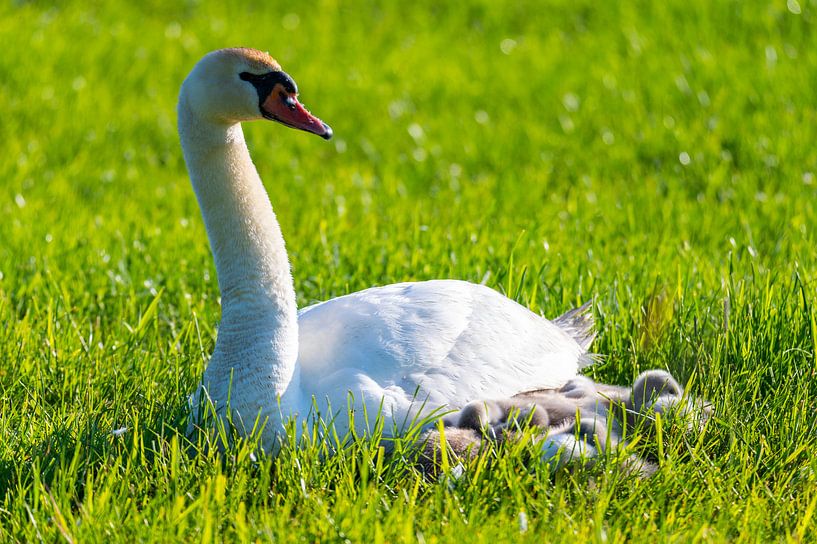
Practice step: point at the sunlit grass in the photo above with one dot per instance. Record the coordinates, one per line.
(658, 157)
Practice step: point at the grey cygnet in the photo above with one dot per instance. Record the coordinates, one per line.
(577, 422)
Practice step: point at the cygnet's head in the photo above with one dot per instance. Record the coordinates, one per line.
(234, 85)
(655, 389)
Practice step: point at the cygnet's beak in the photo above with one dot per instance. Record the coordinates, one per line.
(284, 107)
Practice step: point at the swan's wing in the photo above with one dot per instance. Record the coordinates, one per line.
(455, 341)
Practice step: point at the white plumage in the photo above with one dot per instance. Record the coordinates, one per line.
(408, 348)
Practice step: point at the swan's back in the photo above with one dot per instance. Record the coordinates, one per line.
(454, 340)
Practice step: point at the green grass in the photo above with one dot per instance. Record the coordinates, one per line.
(658, 156)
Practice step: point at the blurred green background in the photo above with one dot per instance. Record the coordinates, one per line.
(659, 157)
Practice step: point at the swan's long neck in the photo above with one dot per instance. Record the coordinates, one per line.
(258, 337)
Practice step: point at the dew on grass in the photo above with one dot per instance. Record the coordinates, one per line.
(571, 102)
(567, 124)
(120, 431)
(19, 200)
(793, 6)
(482, 117)
(682, 84)
(217, 26)
(771, 56)
(369, 149)
(290, 21)
(507, 45)
(523, 522)
(416, 132)
(398, 108)
(636, 42)
(771, 161)
(684, 158)
(173, 31)
(808, 178)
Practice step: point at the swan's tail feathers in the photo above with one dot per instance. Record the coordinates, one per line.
(578, 323)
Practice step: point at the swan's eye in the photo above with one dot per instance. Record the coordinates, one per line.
(288, 100)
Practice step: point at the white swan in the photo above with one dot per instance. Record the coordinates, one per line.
(414, 347)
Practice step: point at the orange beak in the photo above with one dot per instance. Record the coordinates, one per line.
(284, 107)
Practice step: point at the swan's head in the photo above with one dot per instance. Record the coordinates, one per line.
(234, 85)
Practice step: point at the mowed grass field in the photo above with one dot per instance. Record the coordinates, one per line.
(657, 157)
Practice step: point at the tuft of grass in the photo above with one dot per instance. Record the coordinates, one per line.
(658, 158)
